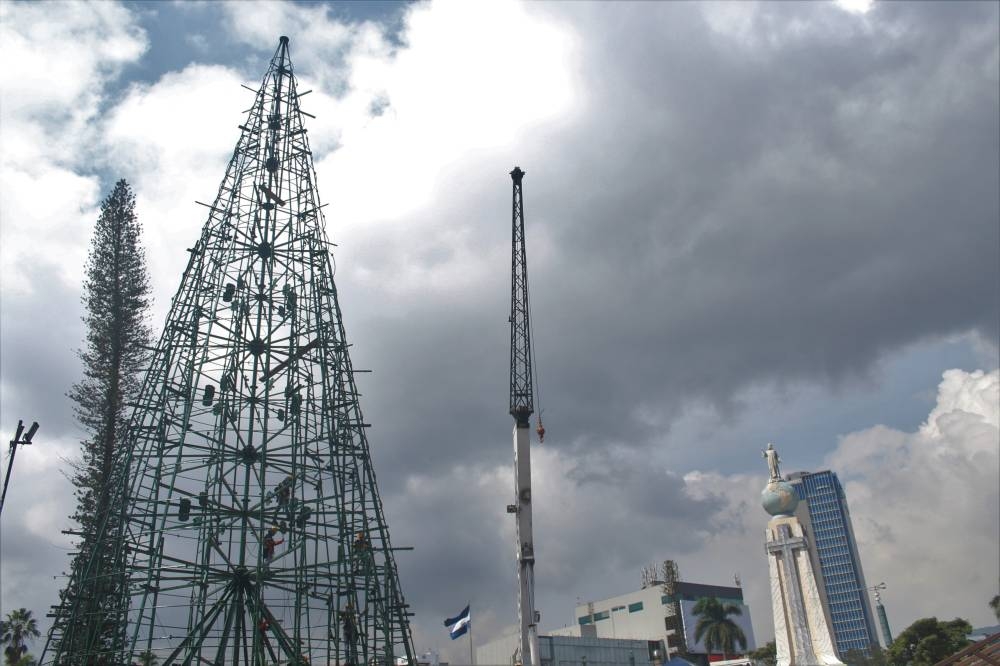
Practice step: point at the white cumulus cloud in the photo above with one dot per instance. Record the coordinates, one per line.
(924, 506)
(58, 60)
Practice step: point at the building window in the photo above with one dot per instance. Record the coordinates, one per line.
(635, 608)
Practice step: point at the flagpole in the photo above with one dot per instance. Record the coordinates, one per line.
(472, 658)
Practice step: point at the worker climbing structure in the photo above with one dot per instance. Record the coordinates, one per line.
(248, 527)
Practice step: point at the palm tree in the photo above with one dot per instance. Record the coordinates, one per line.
(147, 658)
(720, 633)
(15, 631)
(765, 656)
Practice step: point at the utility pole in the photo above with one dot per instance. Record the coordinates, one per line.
(27, 436)
(522, 405)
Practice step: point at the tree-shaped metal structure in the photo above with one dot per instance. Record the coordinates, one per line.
(250, 528)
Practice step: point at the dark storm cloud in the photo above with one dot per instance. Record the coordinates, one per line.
(761, 233)
(455, 558)
(721, 214)
(587, 522)
(724, 214)
(37, 564)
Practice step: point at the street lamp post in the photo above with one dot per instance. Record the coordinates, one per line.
(882, 619)
(20, 437)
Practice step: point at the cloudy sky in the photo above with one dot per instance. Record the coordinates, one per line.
(746, 223)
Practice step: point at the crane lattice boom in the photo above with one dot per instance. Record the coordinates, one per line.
(522, 400)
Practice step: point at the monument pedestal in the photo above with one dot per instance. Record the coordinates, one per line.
(801, 634)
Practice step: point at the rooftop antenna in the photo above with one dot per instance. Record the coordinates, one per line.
(671, 577)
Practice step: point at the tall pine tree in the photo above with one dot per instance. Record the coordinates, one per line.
(117, 298)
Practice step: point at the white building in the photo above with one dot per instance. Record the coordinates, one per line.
(651, 615)
(573, 651)
(641, 628)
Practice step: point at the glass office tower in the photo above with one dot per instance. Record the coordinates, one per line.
(827, 519)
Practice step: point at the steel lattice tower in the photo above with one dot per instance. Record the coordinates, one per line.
(249, 528)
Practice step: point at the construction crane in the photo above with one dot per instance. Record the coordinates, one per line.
(522, 405)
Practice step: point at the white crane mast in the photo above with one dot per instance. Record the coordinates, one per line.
(521, 407)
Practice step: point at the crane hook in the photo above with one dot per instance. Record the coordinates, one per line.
(540, 429)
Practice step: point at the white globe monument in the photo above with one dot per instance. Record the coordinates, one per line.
(802, 635)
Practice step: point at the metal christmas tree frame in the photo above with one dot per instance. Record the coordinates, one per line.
(249, 526)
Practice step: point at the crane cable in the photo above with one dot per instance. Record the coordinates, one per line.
(540, 428)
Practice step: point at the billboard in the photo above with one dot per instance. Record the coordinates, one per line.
(690, 621)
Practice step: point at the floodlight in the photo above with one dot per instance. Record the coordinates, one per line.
(13, 451)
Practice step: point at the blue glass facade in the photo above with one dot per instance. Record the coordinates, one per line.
(839, 564)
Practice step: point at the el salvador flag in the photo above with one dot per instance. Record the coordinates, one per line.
(459, 624)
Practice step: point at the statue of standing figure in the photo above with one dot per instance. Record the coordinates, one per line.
(772, 461)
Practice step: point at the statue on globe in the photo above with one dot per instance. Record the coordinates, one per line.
(772, 461)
